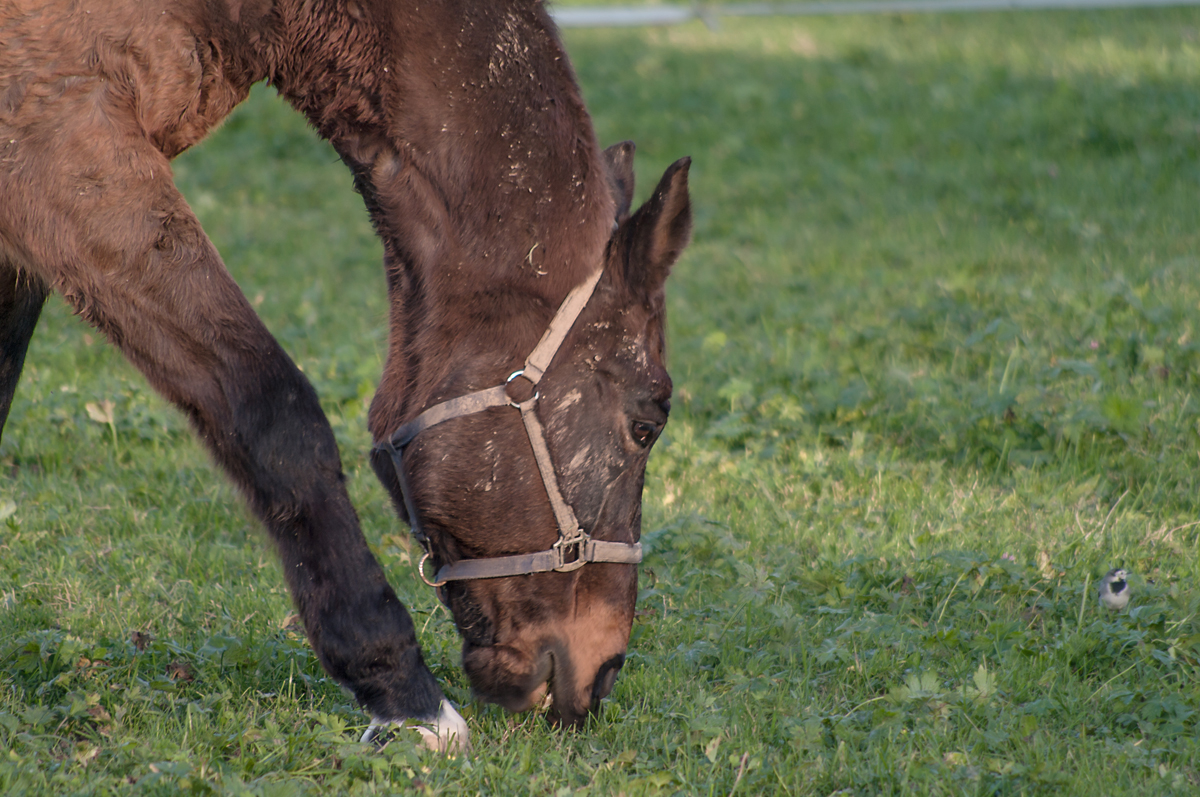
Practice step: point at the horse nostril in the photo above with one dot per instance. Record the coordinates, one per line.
(606, 678)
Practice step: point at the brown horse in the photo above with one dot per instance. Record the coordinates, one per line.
(468, 140)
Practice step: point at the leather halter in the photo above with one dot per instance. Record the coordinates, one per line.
(575, 547)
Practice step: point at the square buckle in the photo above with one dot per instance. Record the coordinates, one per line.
(571, 554)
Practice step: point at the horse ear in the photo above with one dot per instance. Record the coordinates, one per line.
(660, 230)
(619, 159)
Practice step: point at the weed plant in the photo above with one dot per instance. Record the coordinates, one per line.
(936, 349)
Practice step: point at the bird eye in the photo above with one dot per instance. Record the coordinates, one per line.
(643, 432)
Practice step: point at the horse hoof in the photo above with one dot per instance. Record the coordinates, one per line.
(446, 733)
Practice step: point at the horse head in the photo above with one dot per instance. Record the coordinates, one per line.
(475, 483)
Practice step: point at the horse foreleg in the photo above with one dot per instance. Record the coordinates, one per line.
(21, 299)
(127, 253)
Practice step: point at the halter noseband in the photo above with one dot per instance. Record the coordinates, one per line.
(575, 547)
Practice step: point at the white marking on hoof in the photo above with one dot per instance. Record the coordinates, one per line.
(446, 733)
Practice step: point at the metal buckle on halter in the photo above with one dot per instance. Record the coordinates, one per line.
(513, 402)
(564, 547)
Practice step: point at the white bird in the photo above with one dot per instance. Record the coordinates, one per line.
(1114, 589)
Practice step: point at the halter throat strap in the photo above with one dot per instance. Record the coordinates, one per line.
(575, 547)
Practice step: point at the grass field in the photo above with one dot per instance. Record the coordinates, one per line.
(936, 348)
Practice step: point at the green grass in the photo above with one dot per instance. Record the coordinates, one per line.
(936, 348)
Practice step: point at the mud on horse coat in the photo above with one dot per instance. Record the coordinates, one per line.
(467, 138)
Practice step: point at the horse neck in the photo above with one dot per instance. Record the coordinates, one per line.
(470, 144)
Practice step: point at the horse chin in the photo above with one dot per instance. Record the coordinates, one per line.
(506, 675)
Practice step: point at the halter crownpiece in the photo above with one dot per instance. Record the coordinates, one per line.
(575, 547)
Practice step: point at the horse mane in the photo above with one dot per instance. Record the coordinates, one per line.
(475, 116)
(470, 144)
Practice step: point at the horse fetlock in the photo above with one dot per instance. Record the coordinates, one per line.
(445, 733)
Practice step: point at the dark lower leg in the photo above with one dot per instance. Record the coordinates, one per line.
(133, 261)
(359, 629)
(208, 353)
(21, 299)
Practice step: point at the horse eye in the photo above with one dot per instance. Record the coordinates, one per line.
(643, 432)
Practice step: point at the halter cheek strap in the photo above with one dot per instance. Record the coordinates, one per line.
(575, 547)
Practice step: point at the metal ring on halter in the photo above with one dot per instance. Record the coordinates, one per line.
(421, 572)
(512, 402)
